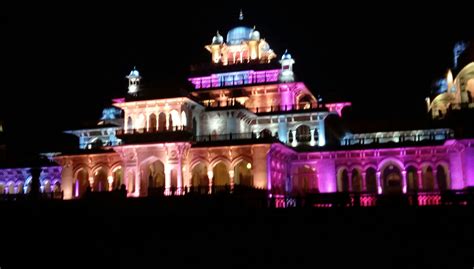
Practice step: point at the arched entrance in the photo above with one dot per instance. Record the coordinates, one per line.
(118, 178)
(81, 183)
(412, 179)
(343, 180)
(371, 180)
(392, 179)
(162, 122)
(221, 175)
(441, 178)
(356, 180)
(100, 180)
(243, 174)
(428, 179)
(199, 179)
(154, 172)
(152, 123)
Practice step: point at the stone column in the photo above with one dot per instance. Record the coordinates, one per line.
(167, 179)
(404, 181)
(420, 179)
(110, 180)
(91, 182)
(67, 182)
(312, 142)
(137, 183)
(231, 176)
(364, 181)
(180, 176)
(210, 175)
(379, 182)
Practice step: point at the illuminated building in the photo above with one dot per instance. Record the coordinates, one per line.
(248, 121)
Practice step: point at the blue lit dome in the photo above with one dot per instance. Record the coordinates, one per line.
(134, 73)
(286, 56)
(238, 34)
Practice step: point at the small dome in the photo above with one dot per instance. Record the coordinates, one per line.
(217, 39)
(238, 34)
(255, 35)
(286, 56)
(134, 73)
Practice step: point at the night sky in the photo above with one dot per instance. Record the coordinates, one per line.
(61, 67)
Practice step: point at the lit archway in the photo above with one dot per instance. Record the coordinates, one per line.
(392, 179)
(243, 174)
(81, 183)
(343, 180)
(221, 175)
(428, 179)
(117, 174)
(200, 179)
(356, 178)
(371, 180)
(412, 179)
(100, 180)
(303, 133)
(162, 122)
(154, 172)
(152, 123)
(140, 124)
(442, 178)
(184, 119)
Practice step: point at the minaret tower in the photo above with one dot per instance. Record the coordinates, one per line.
(133, 81)
(286, 73)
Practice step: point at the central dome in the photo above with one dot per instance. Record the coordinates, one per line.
(238, 34)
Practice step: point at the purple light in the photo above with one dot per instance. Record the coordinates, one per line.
(235, 78)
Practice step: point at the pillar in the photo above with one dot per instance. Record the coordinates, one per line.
(321, 134)
(67, 182)
(210, 175)
(91, 182)
(137, 183)
(312, 142)
(419, 173)
(404, 181)
(180, 176)
(364, 182)
(110, 180)
(167, 179)
(259, 166)
(231, 176)
(379, 182)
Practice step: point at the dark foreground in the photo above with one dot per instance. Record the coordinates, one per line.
(215, 232)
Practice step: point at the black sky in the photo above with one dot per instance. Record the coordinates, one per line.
(64, 64)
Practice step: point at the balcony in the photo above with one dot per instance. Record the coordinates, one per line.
(139, 136)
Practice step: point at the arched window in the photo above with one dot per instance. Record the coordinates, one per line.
(441, 178)
(428, 179)
(184, 119)
(412, 179)
(356, 180)
(152, 123)
(343, 180)
(265, 133)
(305, 102)
(162, 122)
(303, 134)
(371, 180)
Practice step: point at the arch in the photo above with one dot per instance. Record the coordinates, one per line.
(46, 186)
(389, 161)
(303, 133)
(175, 120)
(219, 159)
(442, 179)
(152, 123)
(199, 176)
(100, 179)
(184, 119)
(11, 187)
(19, 187)
(306, 101)
(220, 174)
(304, 179)
(99, 166)
(356, 180)
(129, 123)
(428, 180)
(371, 179)
(265, 133)
(197, 161)
(140, 123)
(241, 158)
(391, 178)
(153, 170)
(412, 178)
(81, 182)
(117, 174)
(162, 122)
(243, 173)
(57, 187)
(342, 180)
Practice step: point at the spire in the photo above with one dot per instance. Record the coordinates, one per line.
(241, 15)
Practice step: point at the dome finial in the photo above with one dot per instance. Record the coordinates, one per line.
(241, 15)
